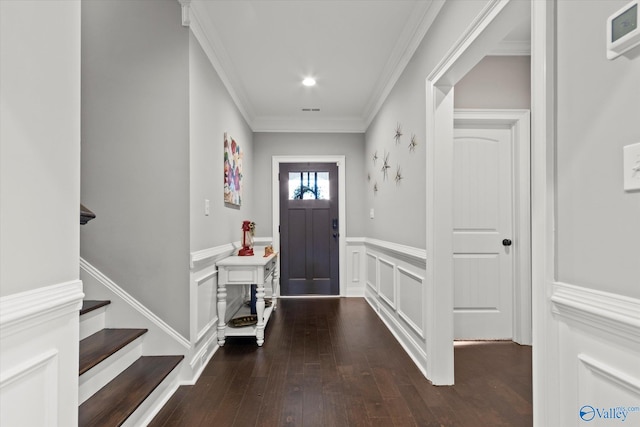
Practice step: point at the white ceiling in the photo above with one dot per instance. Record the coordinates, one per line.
(355, 49)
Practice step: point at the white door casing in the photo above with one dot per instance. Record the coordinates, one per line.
(482, 219)
(342, 215)
(494, 22)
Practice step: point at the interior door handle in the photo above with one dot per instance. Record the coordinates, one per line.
(335, 235)
(506, 242)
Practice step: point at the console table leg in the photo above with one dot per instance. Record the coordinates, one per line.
(275, 287)
(260, 312)
(222, 311)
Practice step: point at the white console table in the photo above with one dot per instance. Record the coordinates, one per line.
(246, 270)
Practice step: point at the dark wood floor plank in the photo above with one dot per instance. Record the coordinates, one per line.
(269, 411)
(167, 410)
(333, 362)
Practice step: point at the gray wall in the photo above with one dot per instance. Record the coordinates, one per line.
(496, 82)
(39, 144)
(135, 150)
(400, 209)
(350, 145)
(598, 224)
(212, 113)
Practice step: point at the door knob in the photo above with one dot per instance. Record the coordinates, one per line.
(506, 242)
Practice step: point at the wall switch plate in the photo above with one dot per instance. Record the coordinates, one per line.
(631, 162)
(207, 207)
(371, 213)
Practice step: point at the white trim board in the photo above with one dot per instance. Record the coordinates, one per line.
(615, 315)
(342, 212)
(121, 293)
(493, 23)
(547, 396)
(41, 305)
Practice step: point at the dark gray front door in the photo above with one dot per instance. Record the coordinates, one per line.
(309, 229)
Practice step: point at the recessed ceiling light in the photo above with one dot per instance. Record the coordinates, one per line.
(309, 81)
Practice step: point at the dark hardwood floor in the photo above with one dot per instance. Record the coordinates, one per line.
(332, 362)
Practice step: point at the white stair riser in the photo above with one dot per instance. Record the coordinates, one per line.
(98, 376)
(92, 322)
(155, 401)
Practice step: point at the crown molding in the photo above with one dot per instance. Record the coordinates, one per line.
(194, 17)
(422, 19)
(186, 12)
(203, 29)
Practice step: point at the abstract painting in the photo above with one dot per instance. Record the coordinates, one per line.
(232, 171)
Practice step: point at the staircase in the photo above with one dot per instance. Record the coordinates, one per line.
(118, 385)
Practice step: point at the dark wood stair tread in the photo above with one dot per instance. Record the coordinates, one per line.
(116, 401)
(90, 305)
(97, 347)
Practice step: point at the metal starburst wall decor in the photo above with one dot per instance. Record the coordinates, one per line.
(375, 158)
(385, 166)
(398, 134)
(398, 177)
(414, 143)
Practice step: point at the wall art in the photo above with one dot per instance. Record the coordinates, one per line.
(399, 176)
(414, 143)
(385, 166)
(232, 171)
(398, 134)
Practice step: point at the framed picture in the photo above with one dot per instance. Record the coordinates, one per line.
(232, 171)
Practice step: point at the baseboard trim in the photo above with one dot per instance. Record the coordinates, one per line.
(416, 354)
(135, 304)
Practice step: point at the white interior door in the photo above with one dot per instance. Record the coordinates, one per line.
(482, 233)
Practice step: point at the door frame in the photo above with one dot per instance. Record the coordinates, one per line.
(519, 122)
(492, 24)
(339, 160)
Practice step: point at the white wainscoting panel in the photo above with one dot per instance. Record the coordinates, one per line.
(206, 283)
(372, 272)
(39, 335)
(387, 283)
(30, 385)
(203, 300)
(396, 290)
(410, 297)
(356, 267)
(599, 356)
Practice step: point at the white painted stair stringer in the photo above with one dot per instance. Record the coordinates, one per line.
(126, 312)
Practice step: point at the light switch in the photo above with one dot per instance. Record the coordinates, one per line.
(371, 215)
(631, 164)
(206, 207)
